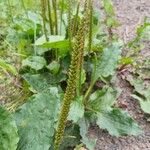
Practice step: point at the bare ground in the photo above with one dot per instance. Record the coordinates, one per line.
(131, 14)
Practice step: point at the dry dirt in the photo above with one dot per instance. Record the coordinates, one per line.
(130, 14)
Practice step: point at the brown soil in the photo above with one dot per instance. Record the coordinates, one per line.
(130, 14)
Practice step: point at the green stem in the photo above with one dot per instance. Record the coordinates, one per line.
(35, 38)
(75, 24)
(90, 25)
(43, 6)
(10, 10)
(55, 16)
(54, 2)
(69, 22)
(88, 92)
(92, 83)
(61, 15)
(50, 17)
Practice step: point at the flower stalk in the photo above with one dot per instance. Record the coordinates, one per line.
(50, 17)
(54, 3)
(43, 6)
(76, 63)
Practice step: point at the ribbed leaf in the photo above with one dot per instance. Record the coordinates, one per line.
(41, 82)
(142, 94)
(109, 61)
(36, 121)
(84, 126)
(102, 99)
(8, 131)
(76, 110)
(36, 81)
(71, 137)
(54, 41)
(139, 86)
(117, 123)
(144, 103)
(35, 62)
(114, 120)
(54, 67)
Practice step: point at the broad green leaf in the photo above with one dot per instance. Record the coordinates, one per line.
(76, 110)
(62, 52)
(142, 94)
(102, 99)
(108, 63)
(138, 84)
(71, 137)
(4, 65)
(117, 123)
(61, 44)
(84, 126)
(41, 82)
(140, 87)
(52, 38)
(26, 25)
(54, 41)
(35, 62)
(8, 131)
(35, 17)
(36, 81)
(144, 103)
(54, 67)
(36, 121)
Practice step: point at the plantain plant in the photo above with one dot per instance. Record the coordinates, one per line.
(73, 54)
